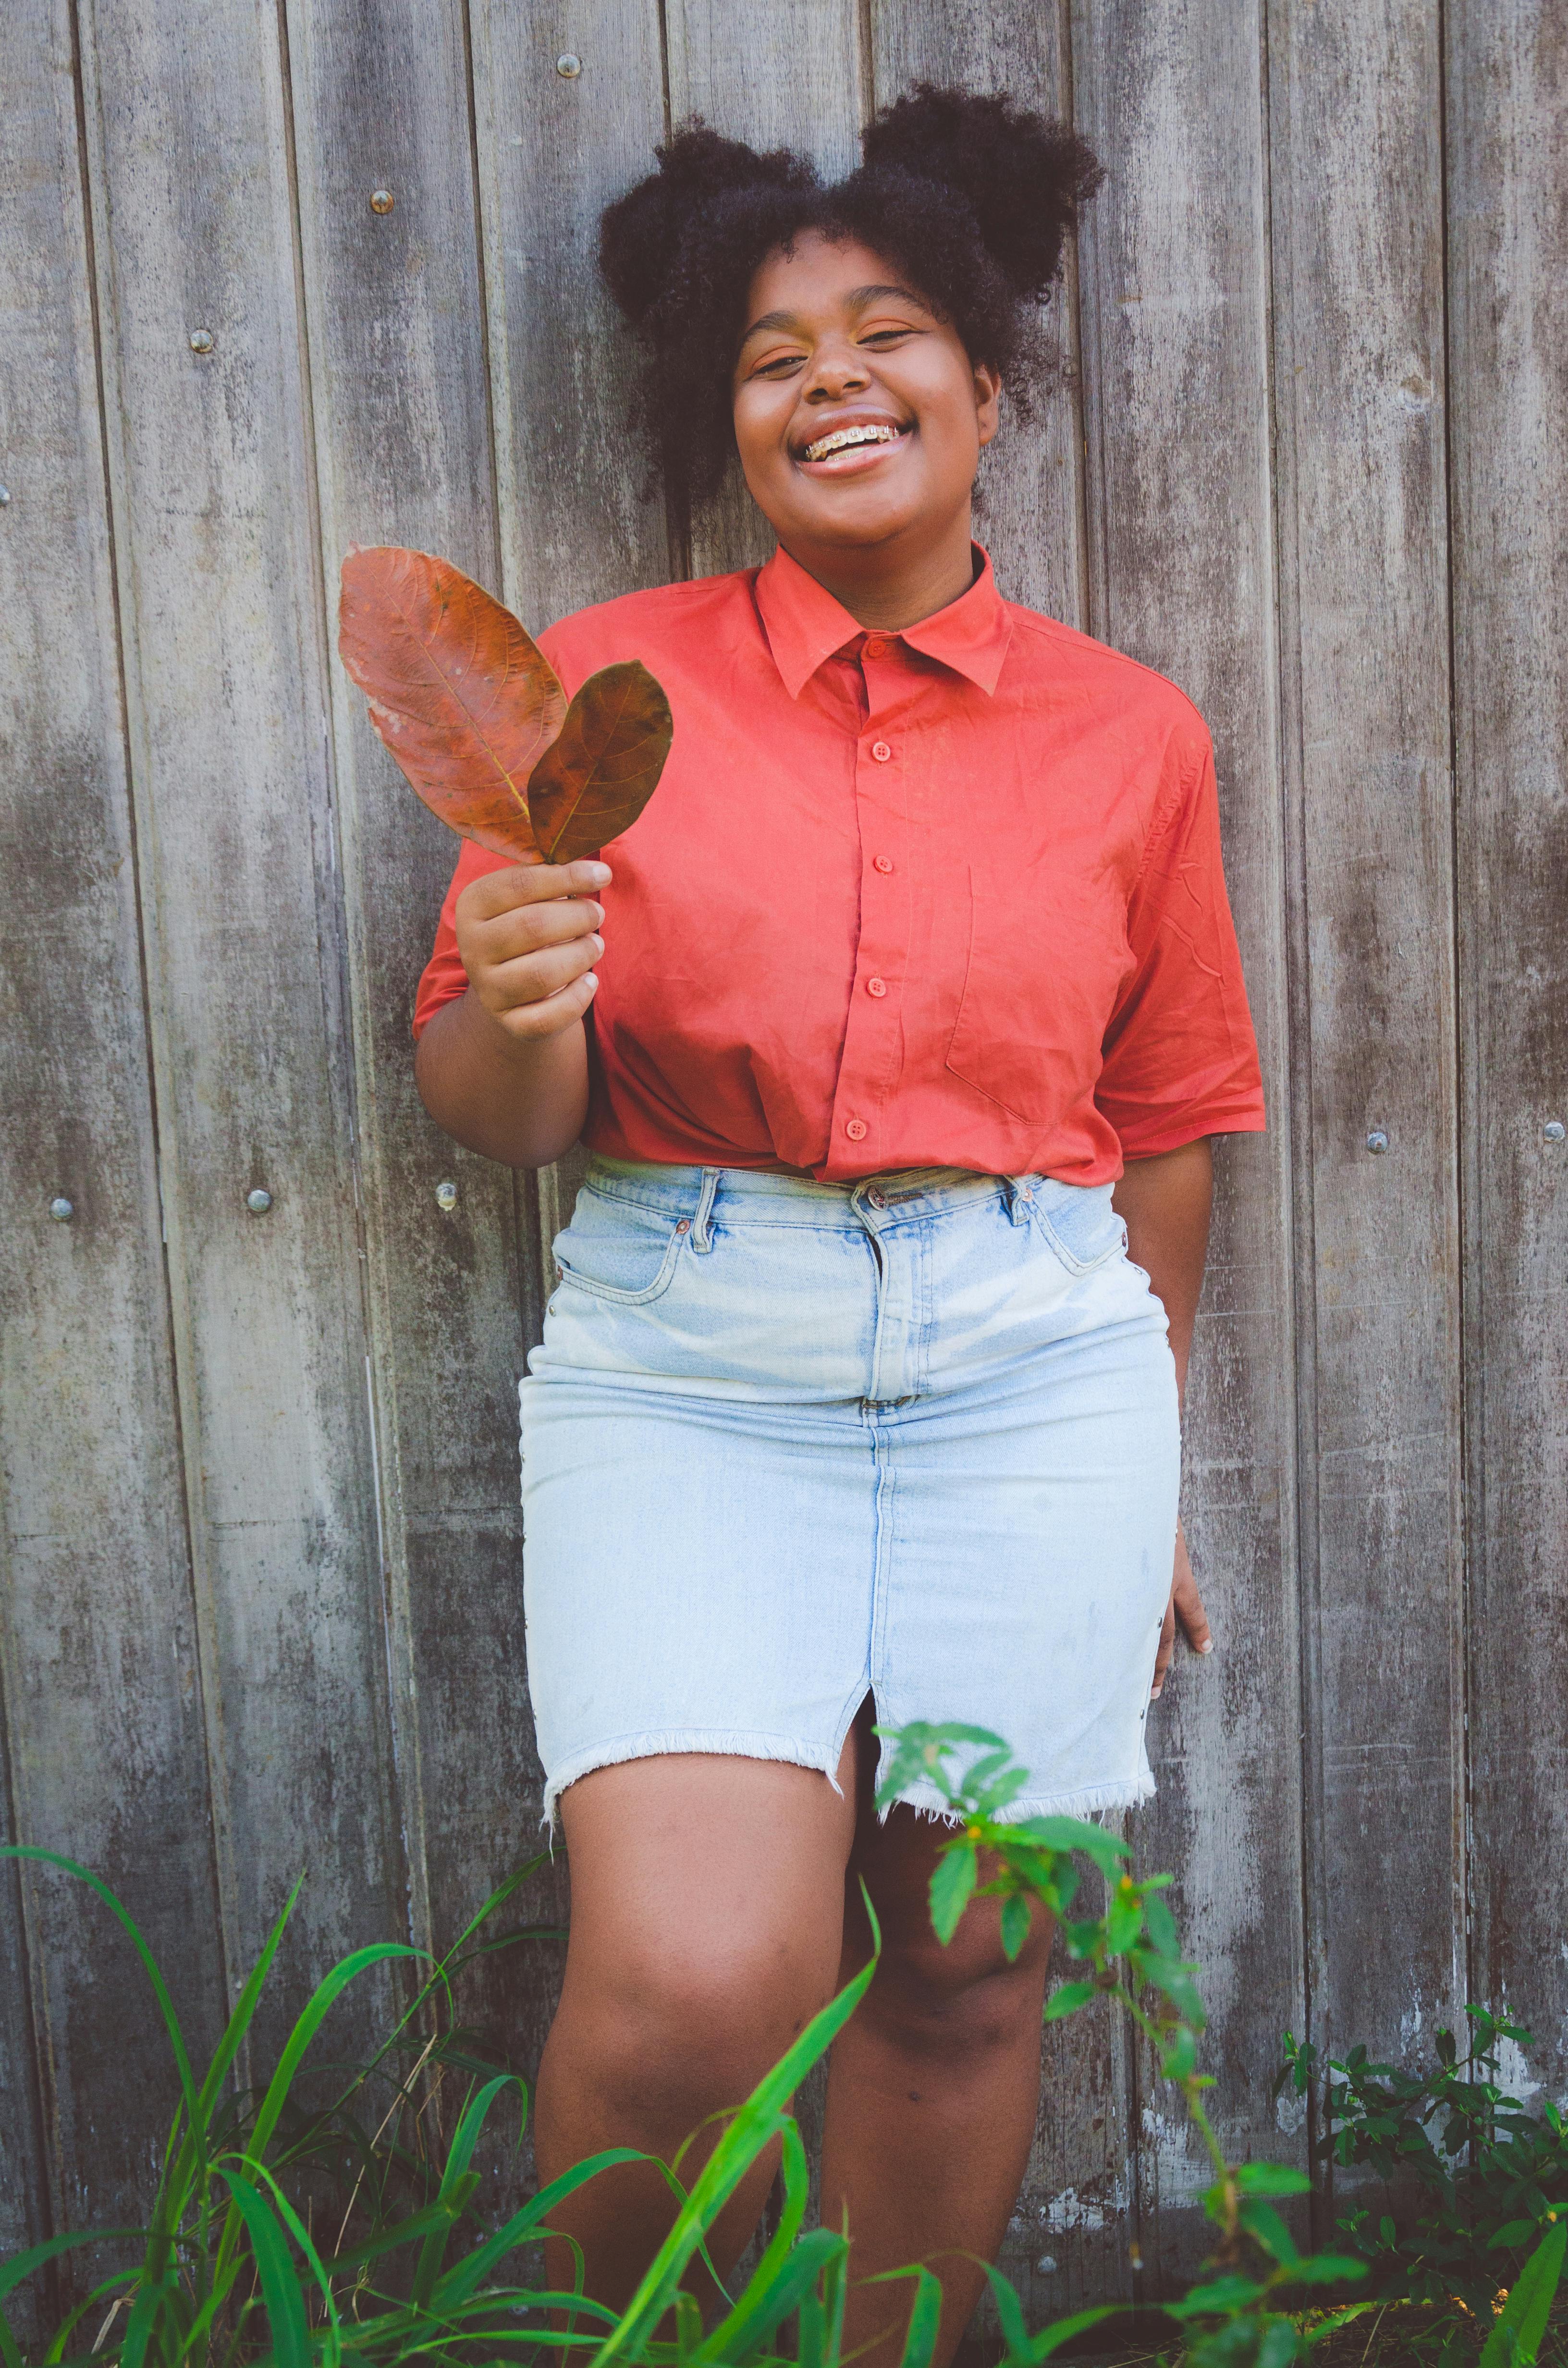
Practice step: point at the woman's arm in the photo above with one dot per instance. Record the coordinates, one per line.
(504, 1068)
(1164, 1203)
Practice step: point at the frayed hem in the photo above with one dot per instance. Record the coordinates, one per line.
(737, 1744)
(1087, 1801)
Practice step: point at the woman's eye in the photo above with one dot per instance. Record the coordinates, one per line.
(884, 336)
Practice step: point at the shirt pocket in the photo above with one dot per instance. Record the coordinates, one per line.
(1043, 961)
(620, 1250)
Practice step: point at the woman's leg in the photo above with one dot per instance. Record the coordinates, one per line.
(706, 1927)
(934, 2085)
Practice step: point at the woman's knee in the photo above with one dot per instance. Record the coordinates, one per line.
(965, 1995)
(671, 2016)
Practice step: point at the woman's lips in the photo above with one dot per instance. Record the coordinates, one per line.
(852, 460)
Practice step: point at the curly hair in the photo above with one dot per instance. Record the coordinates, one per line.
(971, 198)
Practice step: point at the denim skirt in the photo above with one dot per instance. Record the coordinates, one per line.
(788, 1444)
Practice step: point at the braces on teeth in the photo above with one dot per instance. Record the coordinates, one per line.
(841, 436)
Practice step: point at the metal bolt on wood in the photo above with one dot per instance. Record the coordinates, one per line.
(1377, 1139)
(202, 341)
(446, 1196)
(568, 67)
(1554, 1130)
(61, 1211)
(4, 497)
(259, 1202)
(381, 201)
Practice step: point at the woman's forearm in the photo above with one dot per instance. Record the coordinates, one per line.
(520, 1100)
(1164, 1203)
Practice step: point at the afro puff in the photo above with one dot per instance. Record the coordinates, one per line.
(971, 198)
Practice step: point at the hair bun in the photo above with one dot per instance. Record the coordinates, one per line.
(1025, 176)
(641, 233)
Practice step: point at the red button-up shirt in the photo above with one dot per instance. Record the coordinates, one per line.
(950, 897)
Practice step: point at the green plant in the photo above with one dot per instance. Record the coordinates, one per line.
(1474, 2180)
(1246, 2311)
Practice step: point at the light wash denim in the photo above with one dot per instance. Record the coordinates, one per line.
(786, 1444)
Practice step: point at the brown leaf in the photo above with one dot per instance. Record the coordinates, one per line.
(457, 692)
(595, 780)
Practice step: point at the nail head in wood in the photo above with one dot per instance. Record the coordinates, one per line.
(568, 67)
(1554, 1130)
(381, 201)
(446, 1196)
(259, 1202)
(202, 341)
(61, 1211)
(1377, 1139)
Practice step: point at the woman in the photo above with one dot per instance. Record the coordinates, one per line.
(898, 1025)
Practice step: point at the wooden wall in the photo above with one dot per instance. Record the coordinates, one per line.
(261, 1605)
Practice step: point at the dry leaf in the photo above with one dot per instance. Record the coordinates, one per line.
(461, 695)
(595, 780)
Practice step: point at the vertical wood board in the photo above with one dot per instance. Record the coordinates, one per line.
(221, 604)
(1507, 212)
(98, 1649)
(1176, 299)
(1355, 105)
(402, 435)
(790, 75)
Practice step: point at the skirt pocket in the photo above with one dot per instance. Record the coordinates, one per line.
(619, 1250)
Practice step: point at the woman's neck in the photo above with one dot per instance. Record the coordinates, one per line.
(886, 586)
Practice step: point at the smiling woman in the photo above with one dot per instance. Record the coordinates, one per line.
(898, 1021)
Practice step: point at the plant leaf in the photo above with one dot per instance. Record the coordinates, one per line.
(1516, 2339)
(1068, 1999)
(952, 1882)
(595, 779)
(464, 700)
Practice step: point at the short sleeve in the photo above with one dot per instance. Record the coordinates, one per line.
(445, 978)
(1180, 1057)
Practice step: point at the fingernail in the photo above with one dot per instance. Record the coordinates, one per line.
(592, 977)
(600, 875)
(1207, 1646)
(1154, 1692)
(598, 945)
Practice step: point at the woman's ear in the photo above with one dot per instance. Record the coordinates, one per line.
(987, 400)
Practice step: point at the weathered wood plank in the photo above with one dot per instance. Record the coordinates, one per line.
(1508, 86)
(1355, 107)
(1072, 2213)
(1031, 514)
(401, 410)
(1175, 330)
(553, 149)
(220, 599)
(97, 1650)
(791, 75)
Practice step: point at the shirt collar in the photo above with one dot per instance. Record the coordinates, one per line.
(806, 624)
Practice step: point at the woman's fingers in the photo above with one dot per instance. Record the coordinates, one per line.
(1187, 1605)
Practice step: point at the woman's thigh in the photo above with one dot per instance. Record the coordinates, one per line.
(707, 1885)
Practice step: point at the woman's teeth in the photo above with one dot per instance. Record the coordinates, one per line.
(842, 438)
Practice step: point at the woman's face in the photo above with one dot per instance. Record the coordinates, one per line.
(858, 415)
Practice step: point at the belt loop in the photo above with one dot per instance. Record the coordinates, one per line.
(701, 1239)
(1020, 1194)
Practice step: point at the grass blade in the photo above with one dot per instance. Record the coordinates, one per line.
(747, 2321)
(1516, 2338)
(457, 2160)
(281, 2290)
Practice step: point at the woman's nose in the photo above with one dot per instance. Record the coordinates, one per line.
(837, 369)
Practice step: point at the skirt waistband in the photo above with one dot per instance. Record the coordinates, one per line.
(764, 1196)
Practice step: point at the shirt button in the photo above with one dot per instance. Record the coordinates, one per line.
(854, 1128)
(876, 647)
(875, 987)
(880, 751)
(881, 862)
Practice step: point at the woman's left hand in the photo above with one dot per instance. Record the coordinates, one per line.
(1186, 1605)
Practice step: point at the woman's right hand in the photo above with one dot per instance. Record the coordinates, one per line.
(528, 938)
